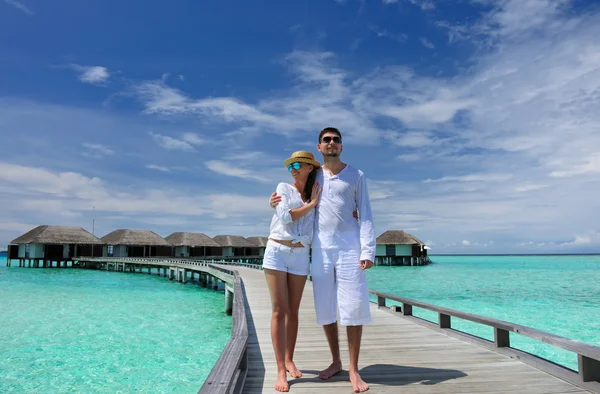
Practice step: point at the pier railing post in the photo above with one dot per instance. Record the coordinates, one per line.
(501, 337)
(228, 300)
(380, 301)
(589, 369)
(406, 309)
(444, 320)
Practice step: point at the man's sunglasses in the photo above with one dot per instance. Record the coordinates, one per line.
(328, 139)
(295, 166)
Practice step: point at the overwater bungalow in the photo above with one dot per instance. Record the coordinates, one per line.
(396, 247)
(194, 245)
(136, 243)
(48, 244)
(260, 243)
(234, 245)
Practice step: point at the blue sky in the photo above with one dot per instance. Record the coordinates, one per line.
(476, 122)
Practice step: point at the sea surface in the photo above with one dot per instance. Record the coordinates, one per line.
(70, 330)
(557, 294)
(85, 331)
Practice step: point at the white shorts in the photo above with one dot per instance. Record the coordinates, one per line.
(338, 280)
(285, 258)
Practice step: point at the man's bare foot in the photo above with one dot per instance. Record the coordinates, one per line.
(282, 384)
(332, 370)
(358, 385)
(291, 368)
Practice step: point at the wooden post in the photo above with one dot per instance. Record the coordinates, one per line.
(589, 369)
(501, 337)
(406, 309)
(444, 320)
(380, 301)
(228, 300)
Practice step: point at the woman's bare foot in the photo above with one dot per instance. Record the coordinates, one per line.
(291, 368)
(332, 370)
(282, 384)
(358, 385)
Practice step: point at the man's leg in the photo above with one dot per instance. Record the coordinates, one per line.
(354, 339)
(353, 299)
(331, 332)
(325, 293)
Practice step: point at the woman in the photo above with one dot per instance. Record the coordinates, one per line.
(286, 259)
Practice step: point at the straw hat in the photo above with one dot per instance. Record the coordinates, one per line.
(302, 156)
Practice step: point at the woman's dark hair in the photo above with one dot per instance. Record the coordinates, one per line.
(310, 181)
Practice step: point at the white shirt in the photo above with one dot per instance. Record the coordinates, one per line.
(282, 226)
(335, 227)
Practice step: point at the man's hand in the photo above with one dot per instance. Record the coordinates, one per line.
(275, 199)
(365, 264)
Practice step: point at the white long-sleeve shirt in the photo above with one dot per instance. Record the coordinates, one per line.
(282, 226)
(335, 227)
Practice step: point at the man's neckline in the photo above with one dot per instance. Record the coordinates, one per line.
(331, 174)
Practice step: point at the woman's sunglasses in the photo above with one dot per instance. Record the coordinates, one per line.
(295, 166)
(328, 139)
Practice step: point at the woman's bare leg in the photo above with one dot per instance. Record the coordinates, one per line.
(277, 282)
(295, 287)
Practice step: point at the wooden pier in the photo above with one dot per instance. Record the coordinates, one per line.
(399, 353)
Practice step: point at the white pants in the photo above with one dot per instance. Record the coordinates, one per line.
(285, 258)
(339, 281)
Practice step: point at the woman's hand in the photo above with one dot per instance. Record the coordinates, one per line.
(316, 192)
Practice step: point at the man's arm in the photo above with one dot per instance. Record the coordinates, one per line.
(367, 233)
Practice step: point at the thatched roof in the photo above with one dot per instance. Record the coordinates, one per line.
(191, 239)
(259, 242)
(134, 237)
(235, 241)
(57, 235)
(397, 237)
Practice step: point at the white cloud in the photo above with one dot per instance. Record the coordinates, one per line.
(95, 75)
(71, 193)
(193, 139)
(158, 168)
(399, 37)
(322, 96)
(96, 150)
(426, 43)
(529, 187)
(171, 143)
(20, 6)
(466, 242)
(485, 177)
(591, 166)
(235, 170)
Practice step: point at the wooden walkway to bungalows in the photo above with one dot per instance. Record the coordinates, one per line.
(397, 356)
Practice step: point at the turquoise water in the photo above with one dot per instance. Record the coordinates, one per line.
(69, 330)
(557, 294)
(84, 331)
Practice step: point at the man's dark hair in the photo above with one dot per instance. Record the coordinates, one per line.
(329, 130)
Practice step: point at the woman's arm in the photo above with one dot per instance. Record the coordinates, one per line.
(291, 215)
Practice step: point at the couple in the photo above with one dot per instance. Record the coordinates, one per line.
(342, 248)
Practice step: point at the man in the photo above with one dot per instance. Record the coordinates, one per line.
(342, 249)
